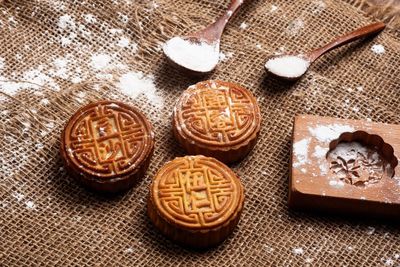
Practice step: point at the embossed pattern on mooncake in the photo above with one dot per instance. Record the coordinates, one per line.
(217, 113)
(197, 192)
(108, 139)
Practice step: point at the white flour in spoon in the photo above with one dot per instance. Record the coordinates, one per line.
(200, 57)
(288, 66)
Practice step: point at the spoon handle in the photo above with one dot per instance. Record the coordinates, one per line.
(347, 38)
(215, 30)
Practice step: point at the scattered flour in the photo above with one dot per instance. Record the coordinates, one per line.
(300, 150)
(123, 42)
(297, 251)
(319, 6)
(288, 66)
(378, 49)
(225, 56)
(336, 184)
(274, 8)
(2, 63)
(295, 27)
(327, 133)
(202, 57)
(66, 21)
(134, 84)
(123, 18)
(100, 61)
(89, 18)
(18, 196)
(68, 28)
(371, 230)
(30, 205)
(320, 152)
(129, 250)
(243, 26)
(309, 260)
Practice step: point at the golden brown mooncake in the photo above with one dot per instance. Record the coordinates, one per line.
(107, 146)
(195, 201)
(217, 119)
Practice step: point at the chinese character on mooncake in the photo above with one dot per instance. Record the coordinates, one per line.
(217, 119)
(107, 146)
(196, 201)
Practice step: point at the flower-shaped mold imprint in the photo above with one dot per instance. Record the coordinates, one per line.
(361, 159)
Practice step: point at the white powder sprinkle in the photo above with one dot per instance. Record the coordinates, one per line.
(243, 26)
(274, 8)
(61, 65)
(124, 18)
(89, 18)
(66, 21)
(336, 184)
(100, 61)
(134, 84)
(30, 205)
(389, 262)
(44, 101)
(225, 56)
(201, 57)
(319, 6)
(297, 251)
(2, 63)
(308, 260)
(123, 42)
(300, 150)
(378, 49)
(371, 230)
(18, 196)
(288, 66)
(295, 27)
(320, 152)
(129, 250)
(327, 133)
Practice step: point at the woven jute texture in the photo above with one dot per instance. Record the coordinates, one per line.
(47, 219)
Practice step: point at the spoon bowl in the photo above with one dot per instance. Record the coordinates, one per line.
(192, 55)
(290, 67)
(198, 53)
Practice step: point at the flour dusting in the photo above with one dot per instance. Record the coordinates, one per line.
(295, 27)
(30, 204)
(327, 133)
(243, 26)
(378, 49)
(100, 61)
(297, 251)
(300, 151)
(134, 84)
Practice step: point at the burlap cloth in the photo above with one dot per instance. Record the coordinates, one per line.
(46, 219)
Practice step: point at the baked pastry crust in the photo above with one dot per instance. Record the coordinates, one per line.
(217, 119)
(196, 201)
(107, 146)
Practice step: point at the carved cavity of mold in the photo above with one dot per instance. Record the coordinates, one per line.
(361, 159)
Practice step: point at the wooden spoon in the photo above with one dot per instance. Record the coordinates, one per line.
(198, 52)
(294, 66)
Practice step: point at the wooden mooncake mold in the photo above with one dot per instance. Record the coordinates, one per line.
(218, 119)
(196, 201)
(107, 146)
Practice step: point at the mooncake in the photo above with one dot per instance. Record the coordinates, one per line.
(195, 201)
(107, 146)
(217, 119)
